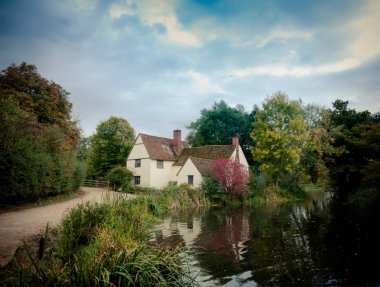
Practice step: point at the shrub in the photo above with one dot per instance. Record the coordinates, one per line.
(233, 177)
(79, 228)
(119, 177)
(212, 189)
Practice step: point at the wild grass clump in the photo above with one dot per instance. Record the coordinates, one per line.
(174, 197)
(107, 245)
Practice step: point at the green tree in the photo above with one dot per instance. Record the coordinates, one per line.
(355, 168)
(110, 146)
(279, 135)
(218, 125)
(120, 177)
(319, 146)
(347, 118)
(38, 140)
(45, 101)
(84, 148)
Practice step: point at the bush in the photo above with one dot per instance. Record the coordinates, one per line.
(212, 189)
(106, 244)
(119, 177)
(79, 228)
(233, 177)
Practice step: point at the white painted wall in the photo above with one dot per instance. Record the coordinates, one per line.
(139, 152)
(189, 169)
(173, 175)
(242, 157)
(160, 177)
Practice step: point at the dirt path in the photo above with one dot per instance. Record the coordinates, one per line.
(23, 224)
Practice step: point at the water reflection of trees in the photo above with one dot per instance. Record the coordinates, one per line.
(275, 244)
(305, 244)
(286, 250)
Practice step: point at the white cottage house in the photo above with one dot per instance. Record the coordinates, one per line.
(155, 161)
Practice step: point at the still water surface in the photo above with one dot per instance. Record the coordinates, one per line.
(313, 243)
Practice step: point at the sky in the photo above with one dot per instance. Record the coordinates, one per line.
(158, 63)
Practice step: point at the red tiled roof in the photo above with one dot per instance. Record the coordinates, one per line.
(162, 148)
(212, 152)
(204, 166)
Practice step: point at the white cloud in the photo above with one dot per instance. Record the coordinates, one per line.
(280, 71)
(280, 34)
(365, 46)
(202, 82)
(367, 42)
(152, 13)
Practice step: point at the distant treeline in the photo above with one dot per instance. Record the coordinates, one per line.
(287, 143)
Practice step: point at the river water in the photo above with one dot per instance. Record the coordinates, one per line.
(313, 243)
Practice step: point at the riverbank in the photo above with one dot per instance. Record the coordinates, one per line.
(107, 243)
(29, 223)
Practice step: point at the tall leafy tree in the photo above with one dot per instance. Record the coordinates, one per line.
(218, 125)
(38, 138)
(319, 146)
(279, 135)
(356, 166)
(110, 146)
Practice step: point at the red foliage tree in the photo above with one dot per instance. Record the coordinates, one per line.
(232, 176)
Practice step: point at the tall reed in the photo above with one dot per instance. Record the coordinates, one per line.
(109, 244)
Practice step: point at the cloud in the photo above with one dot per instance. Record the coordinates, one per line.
(280, 34)
(280, 71)
(367, 42)
(202, 83)
(162, 13)
(365, 46)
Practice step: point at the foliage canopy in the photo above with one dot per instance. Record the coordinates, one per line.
(38, 138)
(110, 146)
(279, 134)
(218, 125)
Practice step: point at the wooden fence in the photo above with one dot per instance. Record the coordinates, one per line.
(96, 183)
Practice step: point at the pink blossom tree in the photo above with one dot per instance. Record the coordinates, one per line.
(232, 176)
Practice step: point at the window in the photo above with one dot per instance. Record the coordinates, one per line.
(160, 164)
(137, 180)
(190, 179)
(137, 162)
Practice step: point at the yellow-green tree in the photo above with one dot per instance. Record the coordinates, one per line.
(279, 135)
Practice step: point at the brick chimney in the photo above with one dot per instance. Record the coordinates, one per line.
(177, 145)
(235, 141)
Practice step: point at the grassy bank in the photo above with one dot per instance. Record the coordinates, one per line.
(109, 245)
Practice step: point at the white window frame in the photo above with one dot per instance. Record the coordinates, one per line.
(190, 182)
(137, 163)
(137, 180)
(160, 164)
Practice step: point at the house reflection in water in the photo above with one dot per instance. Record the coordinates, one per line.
(220, 239)
(172, 232)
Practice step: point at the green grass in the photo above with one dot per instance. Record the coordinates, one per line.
(109, 244)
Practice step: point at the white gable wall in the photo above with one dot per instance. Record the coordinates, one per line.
(242, 158)
(189, 169)
(139, 152)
